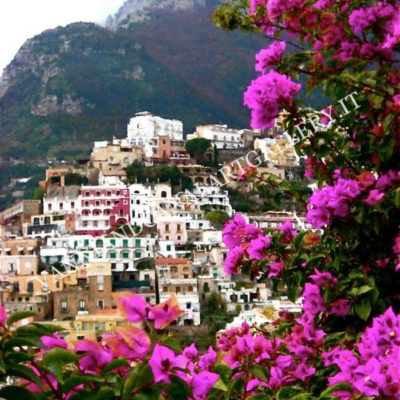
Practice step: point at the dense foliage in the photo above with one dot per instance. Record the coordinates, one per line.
(346, 342)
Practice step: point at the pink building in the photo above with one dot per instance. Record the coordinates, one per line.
(101, 209)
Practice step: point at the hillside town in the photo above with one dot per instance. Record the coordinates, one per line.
(64, 256)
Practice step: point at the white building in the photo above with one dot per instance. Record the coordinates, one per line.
(221, 136)
(144, 127)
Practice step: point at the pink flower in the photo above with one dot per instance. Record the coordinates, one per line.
(133, 306)
(258, 246)
(208, 359)
(320, 278)
(3, 316)
(162, 361)
(340, 307)
(237, 230)
(303, 371)
(98, 357)
(202, 383)
(313, 301)
(54, 341)
(289, 232)
(166, 312)
(374, 197)
(130, 342)
(267, 58)
(275, 268)
(233, 260)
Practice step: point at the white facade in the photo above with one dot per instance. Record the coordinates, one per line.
(60, 205)
(122, 252)
(220, 135)
(144, 127)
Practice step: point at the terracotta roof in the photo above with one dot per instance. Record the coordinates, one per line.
(172, 260)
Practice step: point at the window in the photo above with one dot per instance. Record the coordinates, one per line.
(137, 242)
(86, 204)
(64, 305)
(113, 254)
(95, 224)
(61, 206)
(49, 207)
(86, 243)
(125, 243)
(166, 227)
(85, 257)
(112, 242)
(87, 194)
(168, 247)
(190, 288)
(47, 220)
(100, 282)
(81, 305)
(99, 243)
(178, 227)
(57, 285)
(147, 277)
(72, 204)
(206, 288)
(179, 238)
(85, 224)
(100, 304)
(10, 267)
(36, 221)
(138, 254)
(166, 237)
(97, 203)
(163, 193)
(98, 194)
(125, 254)
(188, 306)
(165, 289)
(178, 289)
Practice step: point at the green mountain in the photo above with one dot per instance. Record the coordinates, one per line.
(72, 85)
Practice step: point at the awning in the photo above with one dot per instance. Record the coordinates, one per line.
(21, 248)
(30, 248)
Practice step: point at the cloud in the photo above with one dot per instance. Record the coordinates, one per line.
(23, 19)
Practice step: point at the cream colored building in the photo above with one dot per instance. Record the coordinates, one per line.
(115, 156)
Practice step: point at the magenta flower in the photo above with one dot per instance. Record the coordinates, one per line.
(233, 260)
(54, 341)
(134, 307)
(208, 359)
(320, 278)
(289, 232)
(202, 383)
(237, 230)
(303, 371)
(162, 361)
(313, 301)
(258, 246)
(165, 313)
(275, 268)
(374, 197)
(3, 316)
(340, 307)
(370, 378)
(98, 357)
(267, 58)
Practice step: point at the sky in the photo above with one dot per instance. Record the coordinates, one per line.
(23, 19)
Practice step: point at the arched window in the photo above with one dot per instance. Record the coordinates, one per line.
(163, 193)
(99, 243)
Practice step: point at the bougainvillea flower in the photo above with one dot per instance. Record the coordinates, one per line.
(54, 341)
(233, 260)
(3, 316)
(165, 313)
(97, 357)
(258, 246)
(136, 339)
(161, 362)
(133, 306)
(202, 383)
(208, 359)
(340, 307)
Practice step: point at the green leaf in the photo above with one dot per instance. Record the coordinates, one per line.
(220, 385)
(363, 309)
(258, 372)
(18, 316)
(21, 341)
(78, 380)
(178, 389)
(105, 393)
(304, 396)
(287, 393)
(16, 357)
(172, 344)
(361, 290)
(2, 366)
(224, 372)
(21, 371)
(16, 392)
(148, 394)
(114, 364)
(55, 359)
(339, 386)
(49, 329)
(138, 378)
(334, 338)
(260, 396)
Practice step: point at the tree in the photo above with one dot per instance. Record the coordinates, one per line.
(197, 148)
(217, 218)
